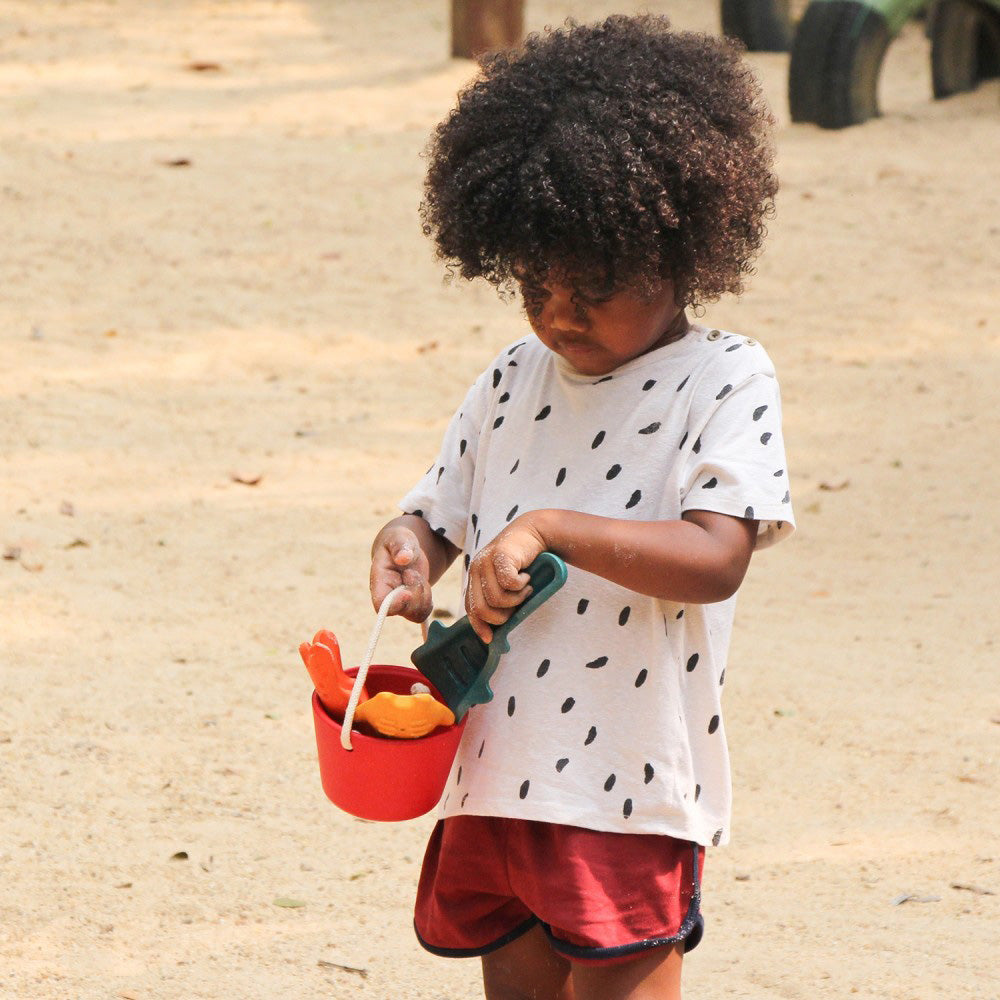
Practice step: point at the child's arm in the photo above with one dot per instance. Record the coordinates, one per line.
(407, 552)
(700, 559)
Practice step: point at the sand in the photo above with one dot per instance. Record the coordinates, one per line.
(227, 350)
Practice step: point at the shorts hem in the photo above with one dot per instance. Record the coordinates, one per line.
(690, 932)
(486, 949)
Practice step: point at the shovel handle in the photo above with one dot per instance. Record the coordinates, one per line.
(548, 574)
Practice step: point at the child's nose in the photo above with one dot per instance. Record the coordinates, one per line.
(565, 313)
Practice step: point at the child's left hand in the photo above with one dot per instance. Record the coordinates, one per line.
(497, 581)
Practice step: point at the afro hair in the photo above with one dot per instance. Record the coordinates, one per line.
(618, 154)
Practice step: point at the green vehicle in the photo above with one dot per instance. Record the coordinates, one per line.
(838, 46)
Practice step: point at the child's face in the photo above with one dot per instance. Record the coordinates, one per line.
(598, 335)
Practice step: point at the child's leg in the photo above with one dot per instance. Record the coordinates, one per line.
(653, 975)
(528, 969)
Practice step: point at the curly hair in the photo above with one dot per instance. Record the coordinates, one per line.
(618, 153)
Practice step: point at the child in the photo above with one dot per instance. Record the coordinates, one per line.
(618, 174)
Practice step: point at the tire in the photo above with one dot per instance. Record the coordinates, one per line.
(836, 60)
(761, 25)
(965, 46)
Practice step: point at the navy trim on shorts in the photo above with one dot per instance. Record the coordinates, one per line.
(691, 931)
(477, 952)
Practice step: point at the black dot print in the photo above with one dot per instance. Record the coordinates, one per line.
(764, 438)
(497, 422)
(634, 499)
(684, 383)
(582, 605)
(511, 513)
(462, 445)
(467, 560)
(713, 725)
(475, 520)
(787, 497)
(748, 513)
(611, 473)
(567, 705)
(683, 440)
(513, 468)
(609, 783)
(606, 378)
(597, 440)
(543, 668)
(733, 347)
(458, 778)
(640, 678)
(440, 473)
(696, 447)
(543, 412)
(627, 808)
(504, 398)
(649, 385)
(711, 484)
(439, 531)
(779, 473)
(725, 391)
(651, 428)
(560, 477)
(497, 375)
(510, 706)
(482, 746)
(680, 614)
(523, 791)
(514, 348)
(759, 412)
(722, 678)
(417, 513)
(591, 736)
(598, 663)
(697, 792)
(692, 662)
(464, 797)
(647, 774)
(561, 763)
(717, 838)
(623, 616)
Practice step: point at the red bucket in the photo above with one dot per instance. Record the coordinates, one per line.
(382, 778)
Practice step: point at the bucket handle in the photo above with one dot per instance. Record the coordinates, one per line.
(359, 681)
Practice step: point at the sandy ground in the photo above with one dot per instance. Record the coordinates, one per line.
(269, 310)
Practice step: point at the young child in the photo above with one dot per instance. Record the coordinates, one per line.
(619, 175)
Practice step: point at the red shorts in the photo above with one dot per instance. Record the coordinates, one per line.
(600, 897)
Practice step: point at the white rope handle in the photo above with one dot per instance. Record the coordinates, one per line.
(359, 681)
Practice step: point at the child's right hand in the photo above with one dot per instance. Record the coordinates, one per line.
(399, 559)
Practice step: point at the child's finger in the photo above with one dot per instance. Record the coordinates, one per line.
(404, 551)
(507, 572)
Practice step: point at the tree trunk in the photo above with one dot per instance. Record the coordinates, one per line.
(479, 26)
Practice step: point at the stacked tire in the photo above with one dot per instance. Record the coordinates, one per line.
(965, 45)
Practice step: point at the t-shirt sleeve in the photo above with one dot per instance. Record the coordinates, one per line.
(443, 497)
(737, 464)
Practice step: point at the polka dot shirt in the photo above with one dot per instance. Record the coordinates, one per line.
(607, 709)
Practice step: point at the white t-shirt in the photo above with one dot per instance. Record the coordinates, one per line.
(607, 709)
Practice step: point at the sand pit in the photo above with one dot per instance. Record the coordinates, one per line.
(227, 350)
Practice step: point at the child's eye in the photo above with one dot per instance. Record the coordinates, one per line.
(534, 296)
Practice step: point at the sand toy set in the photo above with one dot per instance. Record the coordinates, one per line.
(386, 734)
